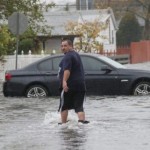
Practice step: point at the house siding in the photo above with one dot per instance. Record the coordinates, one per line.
(58, 21)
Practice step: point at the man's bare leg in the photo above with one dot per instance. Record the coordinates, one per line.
(64, 115)
(81, 116)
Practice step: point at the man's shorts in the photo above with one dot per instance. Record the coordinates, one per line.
(73, 100)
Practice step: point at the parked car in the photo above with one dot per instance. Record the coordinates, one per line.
(103, 77)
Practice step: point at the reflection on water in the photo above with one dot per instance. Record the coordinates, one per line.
(115, 123)
(72, 138)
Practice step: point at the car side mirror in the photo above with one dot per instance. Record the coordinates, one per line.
(106, 68)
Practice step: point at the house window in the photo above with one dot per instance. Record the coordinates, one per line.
(90, 4)
(85, 4)
(82, 4)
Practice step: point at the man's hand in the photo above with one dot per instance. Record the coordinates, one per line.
(65, 87)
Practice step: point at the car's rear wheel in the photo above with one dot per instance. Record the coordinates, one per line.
(142, 88)
(36, 91)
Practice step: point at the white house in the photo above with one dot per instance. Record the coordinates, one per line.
(58, 19)
(104, 16)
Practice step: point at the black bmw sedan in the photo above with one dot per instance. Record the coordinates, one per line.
(103, 77)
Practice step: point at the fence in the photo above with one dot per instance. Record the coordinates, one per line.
(139, 51)
(123, 50)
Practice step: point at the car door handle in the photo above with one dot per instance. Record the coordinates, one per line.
(48, 73)
(85, 73)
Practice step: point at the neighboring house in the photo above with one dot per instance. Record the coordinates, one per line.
(58, 19)
(109, 34)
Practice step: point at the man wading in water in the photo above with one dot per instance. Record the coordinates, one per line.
(72, 83)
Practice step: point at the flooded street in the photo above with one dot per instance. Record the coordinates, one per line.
(115, 123)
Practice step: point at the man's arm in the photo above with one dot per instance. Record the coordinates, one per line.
(65, 78)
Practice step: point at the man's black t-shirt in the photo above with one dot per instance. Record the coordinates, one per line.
(73, 63)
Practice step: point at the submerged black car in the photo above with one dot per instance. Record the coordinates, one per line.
(103, 77)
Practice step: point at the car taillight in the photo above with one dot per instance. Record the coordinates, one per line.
(8, 76)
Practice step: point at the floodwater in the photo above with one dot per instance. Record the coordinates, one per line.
(116, 123)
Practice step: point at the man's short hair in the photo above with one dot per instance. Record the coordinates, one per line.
(68, 41)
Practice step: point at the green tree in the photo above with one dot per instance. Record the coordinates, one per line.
(28, 42)
(26, 45)
(5, 38)
(34, 10)
(140, 8)
(129, 30)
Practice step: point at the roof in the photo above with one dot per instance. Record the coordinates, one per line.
(58, 19)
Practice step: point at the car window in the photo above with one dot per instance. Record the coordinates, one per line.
(45, 65)
(56, 62)
(112, 62)
(91, 64)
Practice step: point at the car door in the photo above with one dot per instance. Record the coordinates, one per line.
(49, 69)
(99, 82)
